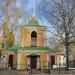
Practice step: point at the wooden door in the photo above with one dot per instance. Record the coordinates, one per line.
(10, 61)
(52, 60)
(33, 62)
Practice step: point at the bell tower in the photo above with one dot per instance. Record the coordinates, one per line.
(32, 34)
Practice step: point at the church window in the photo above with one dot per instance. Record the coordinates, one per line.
(33, 39)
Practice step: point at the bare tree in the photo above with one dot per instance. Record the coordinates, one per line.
(8, 7)
(5, 8)
(61, 16)
(12, 15)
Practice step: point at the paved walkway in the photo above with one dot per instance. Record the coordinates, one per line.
(27, 73)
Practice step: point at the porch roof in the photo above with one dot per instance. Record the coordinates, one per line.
(15, 48)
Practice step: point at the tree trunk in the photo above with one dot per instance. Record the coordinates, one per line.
(67, 56)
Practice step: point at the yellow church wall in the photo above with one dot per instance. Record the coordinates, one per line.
(19, 59)
(43, 60)
(27, 39)
(72, 52)
(24, 54)
(6, 53)
(26, 36)
(58, 59)
(15, 60)
(23, 60)
(40, 37)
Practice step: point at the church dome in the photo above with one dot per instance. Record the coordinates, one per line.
(33, 22)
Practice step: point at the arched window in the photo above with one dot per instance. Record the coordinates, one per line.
(33, 38)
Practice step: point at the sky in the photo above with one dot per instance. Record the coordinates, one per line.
(28, 7)
(23, 4)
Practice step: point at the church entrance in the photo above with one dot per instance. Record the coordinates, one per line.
(33, 62)
(52, 60)
(10, 63)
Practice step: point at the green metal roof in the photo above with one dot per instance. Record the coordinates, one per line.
(53, 50)
(33, 22)
(15, 48)
(40, 48)
(36, 48)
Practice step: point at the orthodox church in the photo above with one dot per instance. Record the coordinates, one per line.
(32, 52)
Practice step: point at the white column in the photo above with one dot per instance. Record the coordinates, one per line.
(28, 62)
(62, 60)
(18, 61)
(3, 60)
(38, 62)
(47, 61)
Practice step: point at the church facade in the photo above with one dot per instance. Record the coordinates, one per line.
(32, 53)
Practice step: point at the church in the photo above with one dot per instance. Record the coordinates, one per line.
(32, 52)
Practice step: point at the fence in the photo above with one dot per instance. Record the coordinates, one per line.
(50, 70)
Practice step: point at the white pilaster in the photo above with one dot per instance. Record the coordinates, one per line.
(18, 61)
(62, 60)
(28, 62)
(38, 62)
(47, 61)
